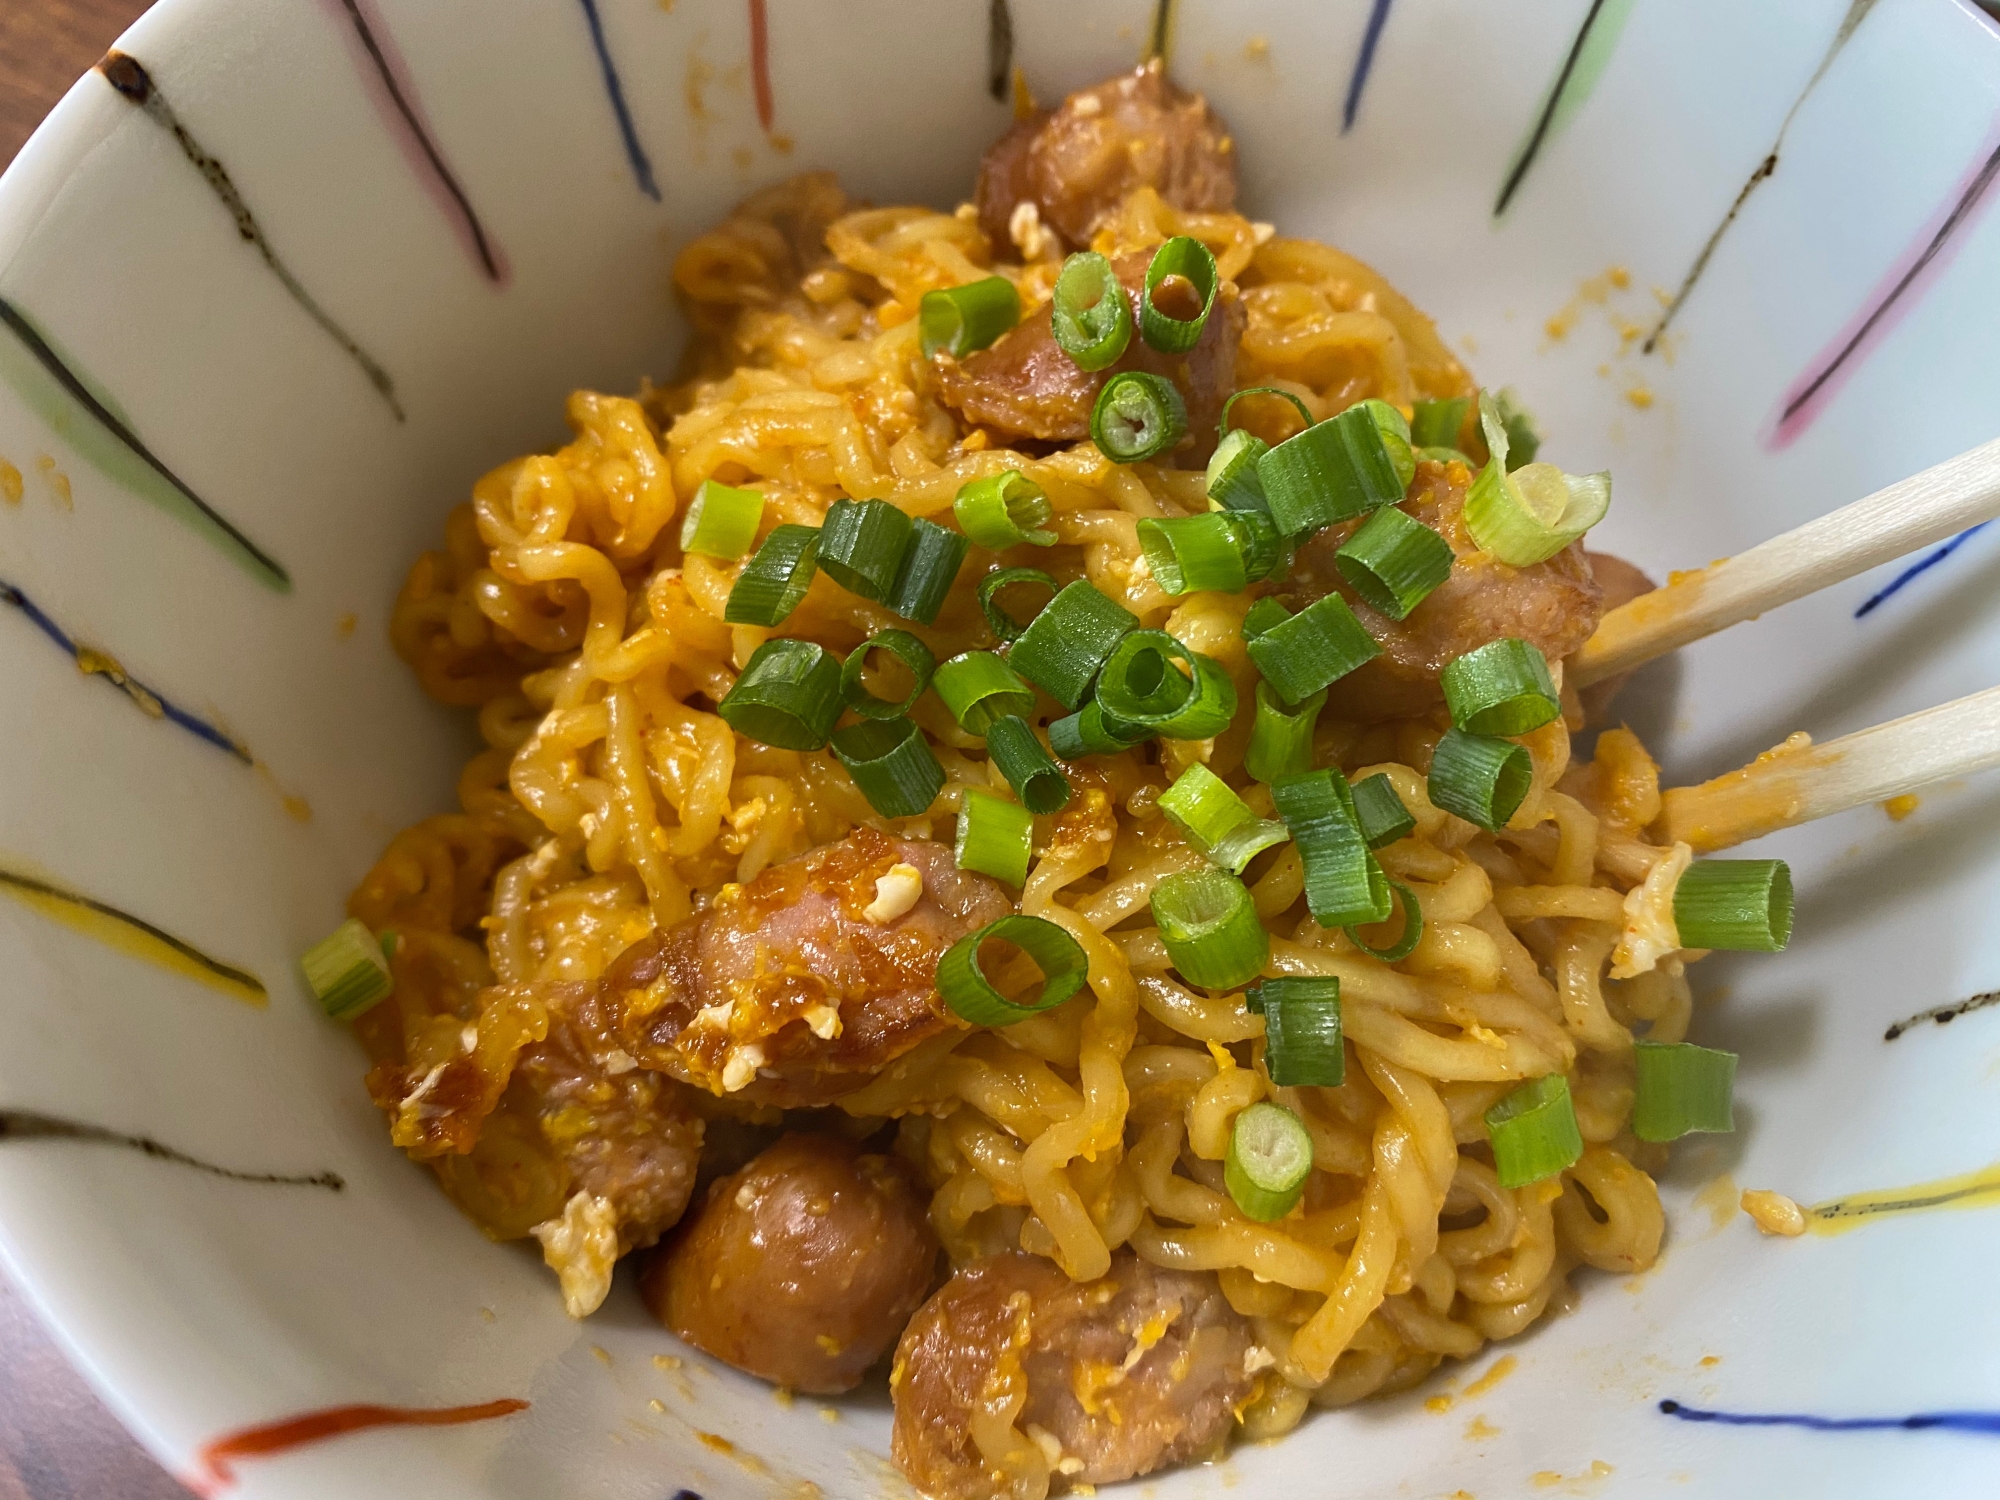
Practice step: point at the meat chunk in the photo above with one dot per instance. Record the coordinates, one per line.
(800, 986)
(1133, 1373)
(1077, 162)
(803, 1267)
(1026, 387)
(1554, 605)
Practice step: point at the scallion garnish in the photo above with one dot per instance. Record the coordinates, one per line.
(1138, 416)
(721, 521)
(347, 970)
(1090, 317)
(1180, 292)
(1216, 821)
(1436, 424)
(1281, 738)
(1316, 989)
(1737, 905)
(1523, 441)
(1232, 473)
(930, 567)
(964, 318)
(1140, 685)
(1223, 550)
(1395, 431)
(978, 687)
(1270, 1158)
(908, 650)
(1302, 1041)
(774, 581)
(1211, 928)
(962, 981)
(1394, 562)
(1090, 731)
(1682, 1089)
(1261, 616)
(1033, 774)
(1003, 510)
(1384, 818)
(1318, 646)
(1222, 428)
(1534, 1132)
(892, 763)
(861, 546)
(1004, 626)
(1480, 779)
(1406, 942)
(1529, 513)
(789, 695)
(1502, 688)
(1333, 471)
(1345, 884)
(995, 837)
(1065, 645)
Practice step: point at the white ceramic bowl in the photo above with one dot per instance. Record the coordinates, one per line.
(457, 189)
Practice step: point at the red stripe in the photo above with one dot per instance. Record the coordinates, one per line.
(760, 62)
(215, 1458)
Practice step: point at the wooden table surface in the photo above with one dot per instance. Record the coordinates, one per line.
(57, 1442)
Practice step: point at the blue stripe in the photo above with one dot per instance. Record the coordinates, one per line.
(642, 167)
(1985, 1423)
(1923, 564)
(1362, 64)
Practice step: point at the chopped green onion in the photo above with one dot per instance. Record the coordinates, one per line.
(1141, 686)
(1394, 562)
(348, 971)
(1383, 817)
(861, 546)
(1738, 905)
(1232, 473)
(979, 688)
(995, 837)
(1319, 645)
(1534, 1132)
(1313, 989)
(1446, 456)
(1304, 411)
(1216, 821)
(1530, 514)
(1334, 470)
(1091, 317)
(721, 521)
(929, 569)
(1090, 731)
(1436, 424)
(1345, 884)
(907, 649)
(1183, 270)
(1004, 626)
(1033, 774)
(1224, 550)
(789, 695)
(1281, 739)
(1395, 431)
(1211, 928)
(774, 581)
(1412, 934)
(962, 981)
(1501, 688)
(1261, 616)
(1065, 645)
(964, 318)
(1523, 441)
(1004, 510)
(1683, 1089)
(1480, 779)
(892, 763)
(1270, 1158)
(1302, 1041)
(1137, 416)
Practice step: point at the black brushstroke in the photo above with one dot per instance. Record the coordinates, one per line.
(1943, 1015)
(1840, 1208)
(999, 54)
(1961, 210)
(28, 1125)
(1984, 1423)
(1548, 114)
(129, 77)
(68, 380)
(187, 950)
(1916, 569)
(431, 153)
(1163, 32)
(628, 132)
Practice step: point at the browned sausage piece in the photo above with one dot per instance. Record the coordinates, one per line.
(1026, 387)
(1139, 1371)
(1077, 162)
(1554, 605)
(803, 1267)
(802, 985)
